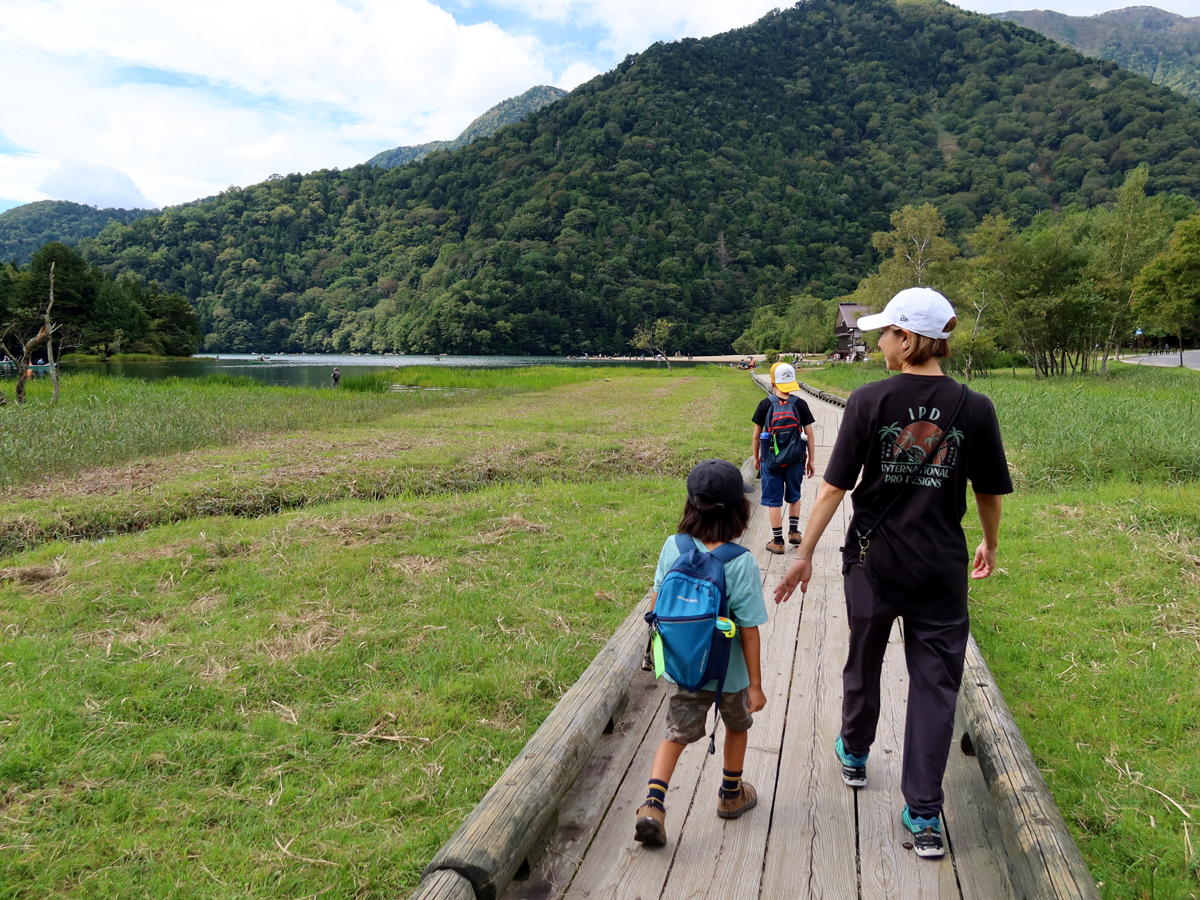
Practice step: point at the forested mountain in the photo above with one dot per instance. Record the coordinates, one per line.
(697, 181)
(25, 228)
(1161, 45)
(506, 112)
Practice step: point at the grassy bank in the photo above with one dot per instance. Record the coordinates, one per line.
(100, 421)
(1092, 623)
(299, 703)
(618, 423)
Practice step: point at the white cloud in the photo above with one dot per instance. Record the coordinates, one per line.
(102, 186)
(188, 98)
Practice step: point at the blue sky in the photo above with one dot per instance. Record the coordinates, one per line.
(163, 103)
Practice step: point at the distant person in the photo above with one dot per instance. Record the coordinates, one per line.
(716, 512)
(779, 420)
(336, 377)
(917, 438)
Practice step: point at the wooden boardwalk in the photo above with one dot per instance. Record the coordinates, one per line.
(810, 835)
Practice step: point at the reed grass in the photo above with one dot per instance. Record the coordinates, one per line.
(1138, 424)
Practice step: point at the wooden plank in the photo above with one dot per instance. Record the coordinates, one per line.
(1044, 861)
(702, 862)
(583, 808)
(616, 866)
(812, 852)
(491, 845)
(889, 870)
(974, 829)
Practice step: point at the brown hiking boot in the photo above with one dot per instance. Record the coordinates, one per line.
(775, 545)
(736, 806)
(651, 828)
(795, 537)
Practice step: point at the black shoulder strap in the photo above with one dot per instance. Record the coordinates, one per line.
(864, 539)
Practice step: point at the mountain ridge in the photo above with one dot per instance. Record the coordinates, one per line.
(503, 113)
(697, 181)
(1163, 46)
(25, 228)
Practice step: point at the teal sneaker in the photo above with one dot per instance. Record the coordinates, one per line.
(854, 768)
(926, 834)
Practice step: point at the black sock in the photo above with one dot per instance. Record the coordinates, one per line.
(778, 532)
(731, 784)
(656, 794)
(793, 523)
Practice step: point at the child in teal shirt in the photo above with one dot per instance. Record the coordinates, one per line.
(716, 512)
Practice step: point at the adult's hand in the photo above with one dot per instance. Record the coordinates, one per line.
(798, 573)
(985, 561)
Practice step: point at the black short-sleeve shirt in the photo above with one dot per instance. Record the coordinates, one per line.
(888, 429)
(764, 405)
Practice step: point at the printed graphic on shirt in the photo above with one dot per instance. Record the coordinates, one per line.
(916, 453)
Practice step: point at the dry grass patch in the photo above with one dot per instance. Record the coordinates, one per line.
(33, 575)
(514, 524)
(311, 632)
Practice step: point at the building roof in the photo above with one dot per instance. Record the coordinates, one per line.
(848, 314)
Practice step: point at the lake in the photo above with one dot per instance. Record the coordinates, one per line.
(313, 370)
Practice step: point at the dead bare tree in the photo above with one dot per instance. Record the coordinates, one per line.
(30, 345)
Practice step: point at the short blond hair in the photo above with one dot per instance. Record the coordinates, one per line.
(921, 349)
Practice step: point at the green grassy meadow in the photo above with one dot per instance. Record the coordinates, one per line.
(288, 657)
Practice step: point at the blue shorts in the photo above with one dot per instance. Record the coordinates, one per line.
(776, 489)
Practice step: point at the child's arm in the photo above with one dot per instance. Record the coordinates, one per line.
(753, 667)
(756, 445)
(653, 599)
(810, 466)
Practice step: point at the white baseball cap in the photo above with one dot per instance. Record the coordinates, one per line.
(920, 310)
(785, 378)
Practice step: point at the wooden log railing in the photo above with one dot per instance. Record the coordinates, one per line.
(512, 821)
(1044, 862)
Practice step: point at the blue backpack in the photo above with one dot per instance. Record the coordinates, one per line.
(690, 626)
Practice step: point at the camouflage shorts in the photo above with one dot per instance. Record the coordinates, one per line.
(687, 713)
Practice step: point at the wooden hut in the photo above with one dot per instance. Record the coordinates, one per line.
(850, 344)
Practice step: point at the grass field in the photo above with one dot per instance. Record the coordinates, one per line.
(269, 673)
(101, 421)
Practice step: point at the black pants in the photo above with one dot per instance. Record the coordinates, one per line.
(934, 653)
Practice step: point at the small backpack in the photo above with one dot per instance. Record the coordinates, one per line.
(690, 626)
(784, 441)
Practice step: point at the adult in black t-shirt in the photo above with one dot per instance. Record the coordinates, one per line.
(917, 438)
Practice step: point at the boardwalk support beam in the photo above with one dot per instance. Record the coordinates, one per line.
(508, 827)
(1043, 860)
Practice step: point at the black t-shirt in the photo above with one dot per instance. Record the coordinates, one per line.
(920, 551)
(764, 405)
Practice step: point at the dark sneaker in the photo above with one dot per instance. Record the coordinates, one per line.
(651, 828)
(775, 545)
(739, 805)
(926, 834)
(795, 537)
(854, 768)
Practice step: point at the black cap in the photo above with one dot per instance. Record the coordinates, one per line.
(714, 483)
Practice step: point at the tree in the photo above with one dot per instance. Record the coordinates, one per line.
(654, 338)
(1167, 291)
(915, 242)
(27, 329)
(1125, 239)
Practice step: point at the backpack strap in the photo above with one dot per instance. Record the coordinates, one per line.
(726, 553)
(685, 543)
